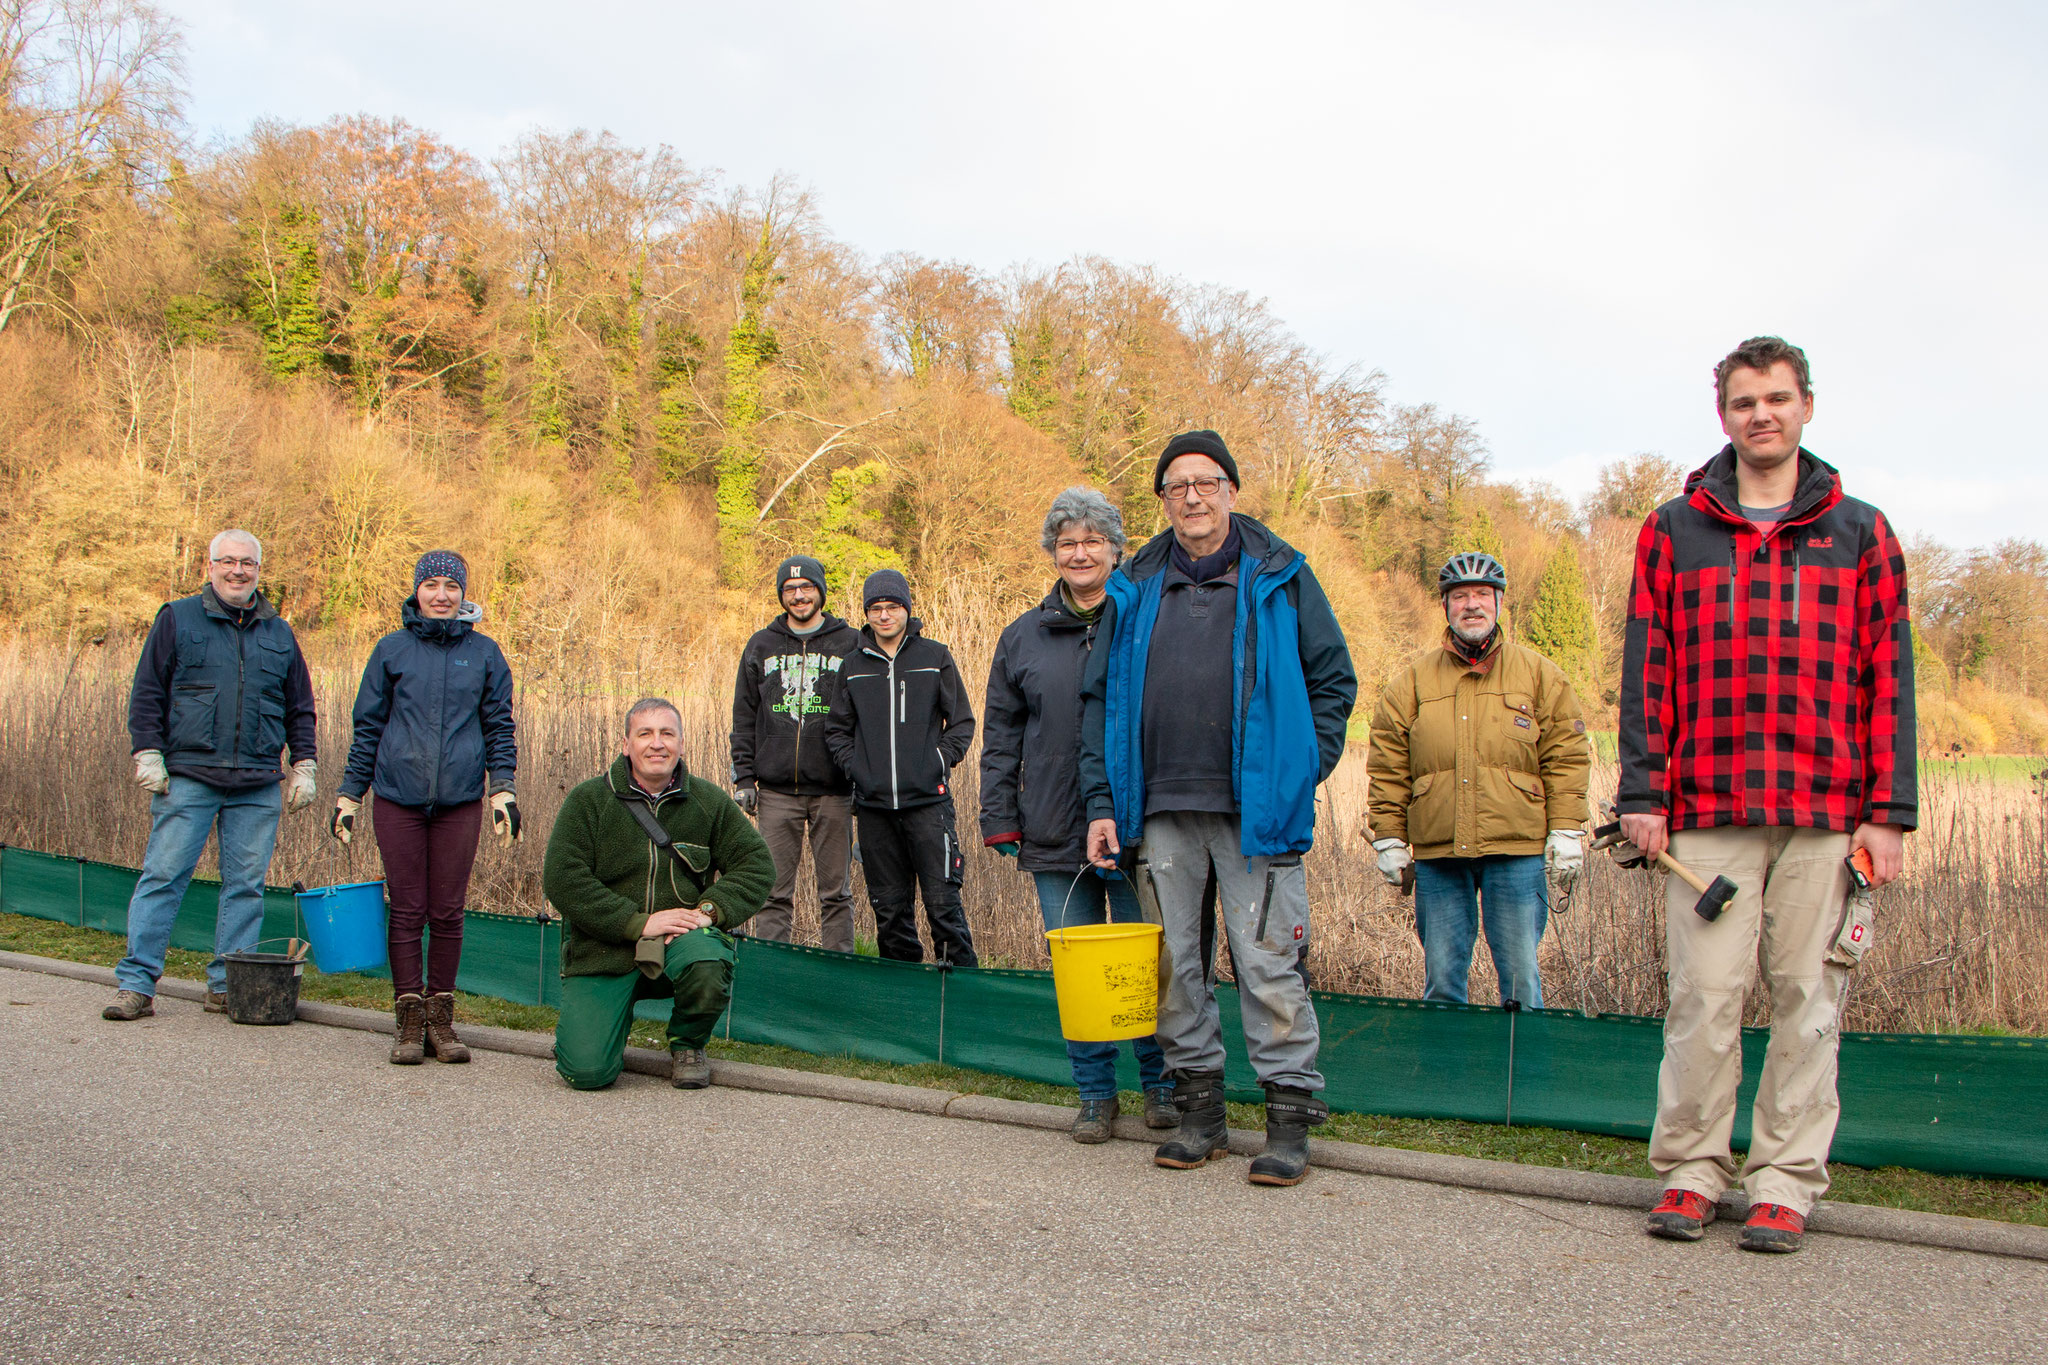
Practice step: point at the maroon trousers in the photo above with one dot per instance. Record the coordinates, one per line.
(427, 859)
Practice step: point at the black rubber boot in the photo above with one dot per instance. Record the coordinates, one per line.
(1290, 1113)
(1204, 1126)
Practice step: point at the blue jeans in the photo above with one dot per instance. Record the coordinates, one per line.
(1095, 901)
(1448, 893)
(180, 821)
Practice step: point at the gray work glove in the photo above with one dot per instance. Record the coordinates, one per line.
(302, 787)
(150, 773)
(747, 799)
(1393, 857)
(1563, 856)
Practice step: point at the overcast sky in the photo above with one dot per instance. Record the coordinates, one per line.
(1553, 220)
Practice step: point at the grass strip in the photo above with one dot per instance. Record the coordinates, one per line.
(2010, 1201)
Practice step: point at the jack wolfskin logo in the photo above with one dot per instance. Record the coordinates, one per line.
(1820, 542)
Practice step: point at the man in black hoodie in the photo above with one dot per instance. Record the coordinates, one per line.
(782, 773)
(900, 725)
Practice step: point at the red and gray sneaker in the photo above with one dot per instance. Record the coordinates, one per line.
(1682, 1216)
(1772, 1227)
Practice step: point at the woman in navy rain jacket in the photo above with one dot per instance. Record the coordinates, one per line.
(433, 738)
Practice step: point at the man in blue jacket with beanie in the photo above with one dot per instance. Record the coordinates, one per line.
(1218, 707)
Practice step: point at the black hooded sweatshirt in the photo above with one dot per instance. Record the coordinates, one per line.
(900, 725)
(786, 687)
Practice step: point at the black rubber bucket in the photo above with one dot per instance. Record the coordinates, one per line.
(263, 988)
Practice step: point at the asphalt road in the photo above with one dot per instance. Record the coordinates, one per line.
(186, 1189)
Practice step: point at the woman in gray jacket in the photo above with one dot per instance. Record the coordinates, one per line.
(1031, 807)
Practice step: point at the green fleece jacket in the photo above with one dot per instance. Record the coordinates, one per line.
(604, 876)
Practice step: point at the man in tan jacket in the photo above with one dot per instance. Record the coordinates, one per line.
(1479, 762)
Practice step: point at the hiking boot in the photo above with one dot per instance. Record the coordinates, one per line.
(692, 1068)
(1290, 1113)
(1159, 1110)
(130, 1005)
(1204, 1126)
(1772, 1227)
(1092, 1124)
(1681, 1216)
(408, 1046)
(441, 1039)
(216, 1002)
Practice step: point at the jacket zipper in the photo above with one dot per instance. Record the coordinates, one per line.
(241, 688)
(1795, 580)
(1733, 570)
(895, 785)
(796, 757)
(440, 733)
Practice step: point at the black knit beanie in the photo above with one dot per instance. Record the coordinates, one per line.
(885, 585)
(1195, 443)
(800, 566)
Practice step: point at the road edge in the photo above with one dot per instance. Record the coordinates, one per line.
(1948, 1231)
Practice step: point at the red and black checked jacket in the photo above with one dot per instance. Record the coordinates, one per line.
(1767, 677)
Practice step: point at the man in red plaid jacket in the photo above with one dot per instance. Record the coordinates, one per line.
(1766, 733)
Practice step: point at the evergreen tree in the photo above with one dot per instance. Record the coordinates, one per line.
(1560, 624)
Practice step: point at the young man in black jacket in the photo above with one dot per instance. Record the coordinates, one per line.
(782, 773)
(900, 725)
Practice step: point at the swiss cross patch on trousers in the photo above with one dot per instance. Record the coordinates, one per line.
(1297, 933)
(1856, 934)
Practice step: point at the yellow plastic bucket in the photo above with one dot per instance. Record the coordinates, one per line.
(1106, 977)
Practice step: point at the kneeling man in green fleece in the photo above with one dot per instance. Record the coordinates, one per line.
(651, 870)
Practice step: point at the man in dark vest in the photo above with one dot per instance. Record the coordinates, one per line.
(220, 691)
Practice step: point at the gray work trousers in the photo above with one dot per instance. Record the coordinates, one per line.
(784, 821)
(1182, 852)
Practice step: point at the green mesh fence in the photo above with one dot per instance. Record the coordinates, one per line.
(1961, 1105)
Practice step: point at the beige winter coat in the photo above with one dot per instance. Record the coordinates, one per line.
(1474, 759)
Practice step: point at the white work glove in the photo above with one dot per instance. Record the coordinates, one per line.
(343, 825)
(1394, 857)
(303, 786)
(505, 818)
(1563, 856)
(150, 773)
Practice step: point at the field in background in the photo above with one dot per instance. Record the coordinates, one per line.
(1957, 950)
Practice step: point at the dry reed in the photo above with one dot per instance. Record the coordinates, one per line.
(1959, 936)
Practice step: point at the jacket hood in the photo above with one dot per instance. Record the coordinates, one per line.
(434, 628)
(1257, 539)
(1712, 488)
(215, 607)
(827, 624)
(620, 777)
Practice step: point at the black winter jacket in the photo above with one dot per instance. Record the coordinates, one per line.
(433, 713)
(219, 690)
(1031, 738)
(900, 725)
(786, 686)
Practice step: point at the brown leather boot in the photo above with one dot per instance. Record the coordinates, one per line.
(441, 1039)
(408, 1048)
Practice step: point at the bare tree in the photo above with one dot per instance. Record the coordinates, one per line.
(89, 101)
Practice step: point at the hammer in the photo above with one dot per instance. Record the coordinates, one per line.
(1713, 898)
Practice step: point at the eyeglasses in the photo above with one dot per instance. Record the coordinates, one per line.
(1094, 545)
(1180, 488)
(236, 563)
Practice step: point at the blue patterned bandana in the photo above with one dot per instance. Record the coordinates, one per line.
(440, 564)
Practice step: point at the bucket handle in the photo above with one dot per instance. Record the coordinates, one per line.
(1062, 930)
(296, 948)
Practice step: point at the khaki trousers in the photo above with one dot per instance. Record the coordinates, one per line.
(1792, 892)
(785, 821)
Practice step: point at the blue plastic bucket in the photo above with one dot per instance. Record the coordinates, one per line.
(346, 926)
